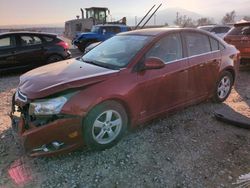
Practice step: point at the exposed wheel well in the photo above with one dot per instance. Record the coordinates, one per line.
(232, 72)
(127, 109)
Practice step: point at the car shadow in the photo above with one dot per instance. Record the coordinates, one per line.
(230, 116)
(228, 112)
(242, 86)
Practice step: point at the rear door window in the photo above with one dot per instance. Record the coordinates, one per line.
(7, 42)
(167, 49)
(197, 43)
(214, 44)
(29, 40)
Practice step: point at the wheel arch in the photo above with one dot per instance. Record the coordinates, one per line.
(232, 71)
(54, 53)
(122, 102)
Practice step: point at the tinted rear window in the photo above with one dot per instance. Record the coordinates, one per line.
(48, 39)
(239, 30)
(29, 40)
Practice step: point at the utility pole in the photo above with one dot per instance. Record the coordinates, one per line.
(177, 18)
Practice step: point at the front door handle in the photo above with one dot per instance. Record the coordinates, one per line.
(202, 65)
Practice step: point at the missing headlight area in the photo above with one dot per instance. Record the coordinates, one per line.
(47, 106)
(38, 112)
(32, 121)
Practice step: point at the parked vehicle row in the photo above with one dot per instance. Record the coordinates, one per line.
(98, 33)
(219, 30)
(238, 35)
(26, 50)
(126, 80)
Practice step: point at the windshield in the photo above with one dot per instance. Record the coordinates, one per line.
(117, 51)
(95, 29)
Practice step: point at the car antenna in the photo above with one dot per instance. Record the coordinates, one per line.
(151, 16)
(144, 17)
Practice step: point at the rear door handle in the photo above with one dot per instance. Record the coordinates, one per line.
(202, 65)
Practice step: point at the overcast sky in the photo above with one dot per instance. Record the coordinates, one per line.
(16, 12)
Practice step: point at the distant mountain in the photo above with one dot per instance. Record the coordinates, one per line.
(215, 13)
(31, 26)
(166, 16)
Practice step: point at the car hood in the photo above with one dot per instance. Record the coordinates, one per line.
(60, 76)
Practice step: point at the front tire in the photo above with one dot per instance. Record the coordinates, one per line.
(105, 125)
(223, 87)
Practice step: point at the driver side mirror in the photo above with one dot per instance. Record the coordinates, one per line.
(153, 63)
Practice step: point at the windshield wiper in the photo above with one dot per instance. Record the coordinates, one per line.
(100, 64)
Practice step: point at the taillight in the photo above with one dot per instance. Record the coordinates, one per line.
(63, 44)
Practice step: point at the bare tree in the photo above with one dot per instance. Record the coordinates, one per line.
(204, 21)
(184, 21)
(229, 18)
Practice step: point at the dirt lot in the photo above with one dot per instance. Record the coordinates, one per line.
(187, 149)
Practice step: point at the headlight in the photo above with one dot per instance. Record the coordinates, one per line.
(47, 106)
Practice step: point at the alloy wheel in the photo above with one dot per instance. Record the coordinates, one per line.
(224, 87)
(107, 127)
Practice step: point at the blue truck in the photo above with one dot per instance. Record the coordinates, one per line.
(98, 33)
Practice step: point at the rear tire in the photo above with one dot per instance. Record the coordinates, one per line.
(105, 125)
(223, 87)
(54, 58)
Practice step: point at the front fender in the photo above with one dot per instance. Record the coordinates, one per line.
(81, 103)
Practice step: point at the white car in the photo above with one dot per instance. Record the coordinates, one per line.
(219, 30)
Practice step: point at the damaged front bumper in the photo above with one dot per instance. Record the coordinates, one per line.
(47, 135)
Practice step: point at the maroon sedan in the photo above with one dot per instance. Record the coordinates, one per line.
(125, 81)
(240, 37)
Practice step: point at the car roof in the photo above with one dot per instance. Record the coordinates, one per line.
(155, 32)
(112, 25)
(28, 32)
(160, 31)
(213, 26)
(242, 24)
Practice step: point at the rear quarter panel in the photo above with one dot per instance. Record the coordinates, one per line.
(230, 60)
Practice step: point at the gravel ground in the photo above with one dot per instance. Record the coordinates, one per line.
(187, 149)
